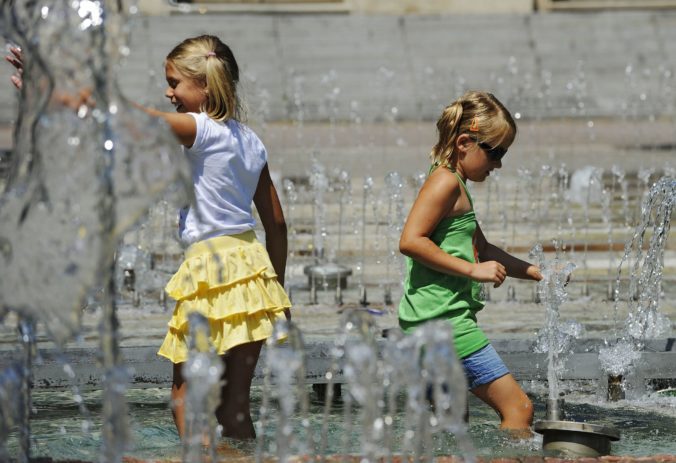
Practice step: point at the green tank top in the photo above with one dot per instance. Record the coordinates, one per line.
(429, 294)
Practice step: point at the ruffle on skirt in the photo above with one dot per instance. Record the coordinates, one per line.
(230, 281)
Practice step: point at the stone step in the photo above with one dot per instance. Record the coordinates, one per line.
(658, 361)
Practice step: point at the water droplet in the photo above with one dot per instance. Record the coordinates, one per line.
(378, 424)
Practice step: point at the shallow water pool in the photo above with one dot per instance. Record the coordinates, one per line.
(61, 430)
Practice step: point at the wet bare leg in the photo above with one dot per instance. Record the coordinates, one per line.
(234, 412)
(178, 391)
(513, 406)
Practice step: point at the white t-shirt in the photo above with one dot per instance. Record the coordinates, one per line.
(226, 162)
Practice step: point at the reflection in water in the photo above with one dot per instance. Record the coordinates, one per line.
(58, 424)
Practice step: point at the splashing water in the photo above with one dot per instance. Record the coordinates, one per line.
(395, 220)
(78, 178)
(422, 367)
(10, 408)
(357, 349)
(320, 184)
(644, 321)
(202, 372)
(286, 364)
(367, 191)
(556, 337)
(444, 384)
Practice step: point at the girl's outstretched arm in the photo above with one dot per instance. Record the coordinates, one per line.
(516, 268)
(272, 218)
(436, 200)
(182, 125)
(59, 97)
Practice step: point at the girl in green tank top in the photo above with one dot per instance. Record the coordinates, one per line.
(448, 257)
(430, 294)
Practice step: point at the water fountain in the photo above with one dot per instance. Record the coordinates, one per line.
(366, 192)
(382, 379)
(643, 293)
(324, 273)
(287, 367)
(69, 198)
(202, 373)
(571, 438)
(644, 322)
(127, 182)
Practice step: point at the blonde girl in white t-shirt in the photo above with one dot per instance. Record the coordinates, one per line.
(227, 275)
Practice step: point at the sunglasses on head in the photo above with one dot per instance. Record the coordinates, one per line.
(495, 154)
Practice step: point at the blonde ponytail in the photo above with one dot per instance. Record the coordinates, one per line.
(479, 114)
(447, 127)
(211, 62)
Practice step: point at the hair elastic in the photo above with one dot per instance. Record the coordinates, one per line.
(210, 53)
(474, 125)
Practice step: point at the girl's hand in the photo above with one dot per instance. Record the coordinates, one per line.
(16, 60)
(489, 272)
(534, 273)
(73, 101)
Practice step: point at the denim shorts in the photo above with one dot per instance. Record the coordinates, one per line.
(483, 367)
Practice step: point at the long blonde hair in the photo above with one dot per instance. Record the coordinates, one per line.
(210, 62)
(478, 114)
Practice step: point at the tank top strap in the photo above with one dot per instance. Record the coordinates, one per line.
(464, 187)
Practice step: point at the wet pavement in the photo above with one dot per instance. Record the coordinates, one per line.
(371, 149)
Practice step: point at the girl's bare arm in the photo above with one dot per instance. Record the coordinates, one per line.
(515, 267)
(182, 125)
(436, 199)
(272, 218)
(59, 97)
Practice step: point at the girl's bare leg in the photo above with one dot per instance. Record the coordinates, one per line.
(234, 412)
(510, 402)
(178, 390)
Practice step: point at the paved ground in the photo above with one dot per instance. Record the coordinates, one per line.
(374, 149)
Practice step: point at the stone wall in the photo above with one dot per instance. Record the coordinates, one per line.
(164, 7)
(388, 67)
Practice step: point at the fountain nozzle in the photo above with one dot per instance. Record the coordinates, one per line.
(615, 389)
(555, 410)
(573, 438)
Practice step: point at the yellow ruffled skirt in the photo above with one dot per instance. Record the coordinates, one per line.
(231, 282)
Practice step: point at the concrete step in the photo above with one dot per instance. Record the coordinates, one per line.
(658, 361)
